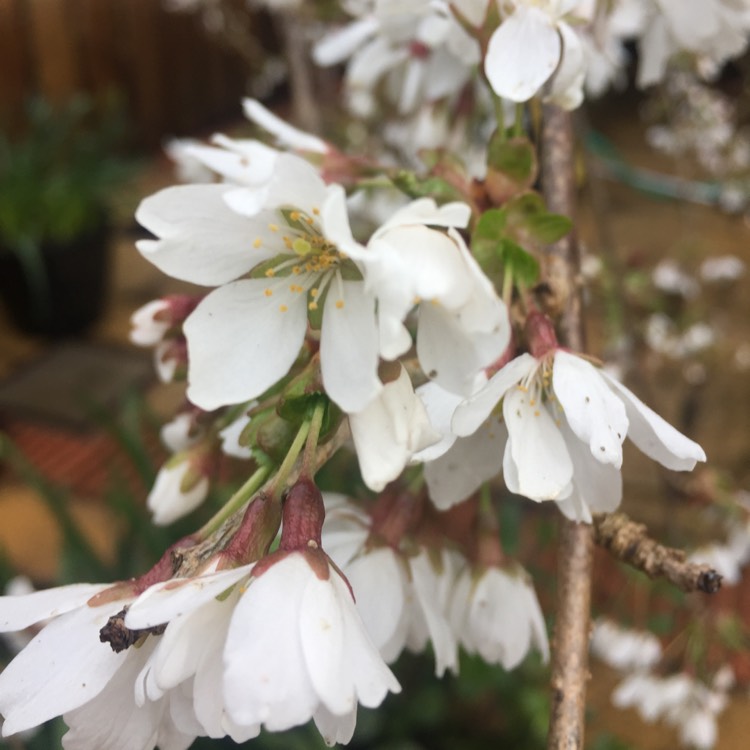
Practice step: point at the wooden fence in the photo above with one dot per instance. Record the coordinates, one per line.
(176, 79)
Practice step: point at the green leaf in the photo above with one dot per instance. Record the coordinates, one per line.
(521, 264)
(420, 187)
(529, 220)
(514, 158)
(485, 242)
(498, 254)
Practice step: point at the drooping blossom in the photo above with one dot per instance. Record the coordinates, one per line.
(537, 49)
(690, 706)
(389, 431)
(273, 642)
(417, 50)
(565, 421)
(403, 595)
(624, 648)
(495, 613)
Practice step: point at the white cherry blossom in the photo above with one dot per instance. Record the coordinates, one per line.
(566, 422)
(179, 489)
(623, 648)
(495, 613)
(389, 431)
(534, 44)
(463, 325)
(403, 597)
(417, 48)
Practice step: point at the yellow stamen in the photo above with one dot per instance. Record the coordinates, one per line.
(339, 303)
(268, 292)
(283, 308)
(273, 227)
(257, 243)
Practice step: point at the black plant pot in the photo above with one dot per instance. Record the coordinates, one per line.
(73, 291)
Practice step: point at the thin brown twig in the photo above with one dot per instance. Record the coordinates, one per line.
(560, 288)
(628, 541)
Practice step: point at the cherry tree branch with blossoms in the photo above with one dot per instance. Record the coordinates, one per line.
(411, 312)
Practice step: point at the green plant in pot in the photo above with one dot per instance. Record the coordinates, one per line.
(55, 187)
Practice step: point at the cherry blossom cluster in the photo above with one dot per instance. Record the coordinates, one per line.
(346, 304)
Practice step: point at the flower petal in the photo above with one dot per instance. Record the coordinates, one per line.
(349, 346)
(371, 677)
(597, 487)
(457, 474)
(567, 84)
(390, 431)
(200, 239)
(18, 612)
(594, 413)
(286, 134)
(654, 436)
(263, 681)
(177, 597)
(426, 587)
(377, 579)
(62, 668)
(522, 54)
(321, 632)
(241, 341)
(475, 409)
(542, 464)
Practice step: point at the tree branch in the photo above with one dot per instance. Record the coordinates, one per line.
(629, 542)
(560, 288)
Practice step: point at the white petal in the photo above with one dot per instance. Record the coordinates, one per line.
(474, 410)
(167, 501)
(241, 342)
(285, 134)
(451, 355)
(390, 431)
(425, 212)
(349, 346)
(62, 668)
(296, 184)
(343, 545)
(377, 579)
(18, 612)
(426, 585)
(372, 678)
(242, 162)
(200, 239)
(655, 49)
(440, 406)
(656, 437)
(163, 602)
(597, 487)
(522, 54)
(537, 449)
(341, 43)
(335, 729)
(264, 677)
(567, 84)
(593, 412)
(456, 475)
(321, 628)
(112, 720)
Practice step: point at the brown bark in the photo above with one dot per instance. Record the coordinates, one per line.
(629, 542)
(560, 295)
